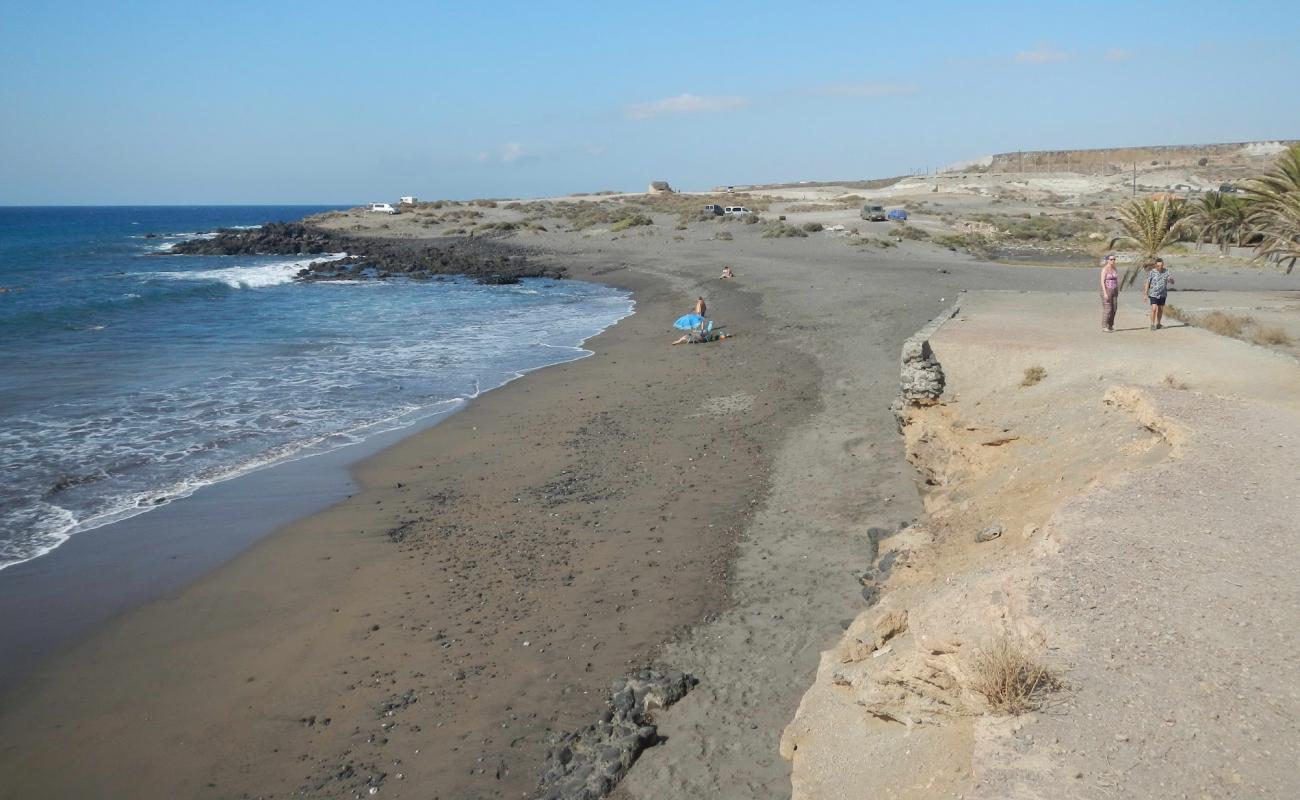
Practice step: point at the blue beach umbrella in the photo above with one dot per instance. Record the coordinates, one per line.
(688, 321)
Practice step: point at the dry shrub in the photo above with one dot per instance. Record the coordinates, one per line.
(1174, 383)
(1174, 312)
(1224, 324)
(1271, 336)
(780, 230)
(1010, 678)
(1033, 375)
(1233, 325)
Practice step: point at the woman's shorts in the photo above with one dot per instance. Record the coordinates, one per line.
(1157, 301)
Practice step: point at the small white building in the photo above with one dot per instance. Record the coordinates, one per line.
(407, 200)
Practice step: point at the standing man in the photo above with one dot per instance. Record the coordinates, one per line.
(1158, 282)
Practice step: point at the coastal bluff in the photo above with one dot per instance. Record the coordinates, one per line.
(1114, 531)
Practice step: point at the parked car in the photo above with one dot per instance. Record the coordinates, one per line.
(874, 213)
(1228, 188)
(714, 209)
(736, 211)
(383, 208)
(897, 215)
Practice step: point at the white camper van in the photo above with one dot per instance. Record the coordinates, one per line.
(383, 208)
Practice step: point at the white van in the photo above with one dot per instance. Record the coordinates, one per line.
(736, 210)
(383, 208)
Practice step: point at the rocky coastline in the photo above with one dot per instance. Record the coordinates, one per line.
(371, 258)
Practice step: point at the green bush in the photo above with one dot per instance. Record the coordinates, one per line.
(631, 222)
(780, 230)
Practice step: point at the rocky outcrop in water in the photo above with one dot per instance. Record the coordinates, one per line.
(588, 764)
(273, 238)
(485, 260)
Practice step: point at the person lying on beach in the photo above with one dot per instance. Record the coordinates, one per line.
(727, 273)
(700, 337)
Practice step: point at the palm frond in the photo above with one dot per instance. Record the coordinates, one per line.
(1274, 215)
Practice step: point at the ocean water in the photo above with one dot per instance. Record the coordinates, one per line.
(129, 379)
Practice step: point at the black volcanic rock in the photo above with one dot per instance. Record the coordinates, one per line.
(485, 260)
(273, 238)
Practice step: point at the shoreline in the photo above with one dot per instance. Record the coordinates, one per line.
(144, 645)
(58, 597)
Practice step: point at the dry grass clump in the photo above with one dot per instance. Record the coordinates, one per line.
(1271, 336)
(812, 227)
(1174, 383)
(1224, 324)
(724, 236)
(1010, 678)
(906, 231)
(1234, 325)
(1033, 375)
(780, 230)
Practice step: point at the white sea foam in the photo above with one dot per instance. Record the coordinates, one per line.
(54, 525)
(255, 277)
(151, 447)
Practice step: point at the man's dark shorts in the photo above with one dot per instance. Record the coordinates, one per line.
(1157, 301)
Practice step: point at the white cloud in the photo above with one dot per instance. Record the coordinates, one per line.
(1042, 54)
(511, 152)
(685, 104)
(867, 89)
(1117, 54)
(508, 153)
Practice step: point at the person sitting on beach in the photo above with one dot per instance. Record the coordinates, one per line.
(727, 273)
(1158, 282)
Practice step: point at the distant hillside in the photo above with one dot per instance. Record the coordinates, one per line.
(1109, 161)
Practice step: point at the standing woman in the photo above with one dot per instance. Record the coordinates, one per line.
(1109, 293)
(700, 307)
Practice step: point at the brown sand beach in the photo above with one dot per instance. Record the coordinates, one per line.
(707, 508)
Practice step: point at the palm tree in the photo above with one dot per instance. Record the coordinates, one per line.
(1275, 210)
(1219, 218)
(1151, 225)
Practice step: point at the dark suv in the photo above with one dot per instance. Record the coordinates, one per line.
(715, 210)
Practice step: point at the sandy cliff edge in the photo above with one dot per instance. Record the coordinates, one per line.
(1128, 521)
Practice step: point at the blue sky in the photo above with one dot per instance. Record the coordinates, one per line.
(346, 102)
